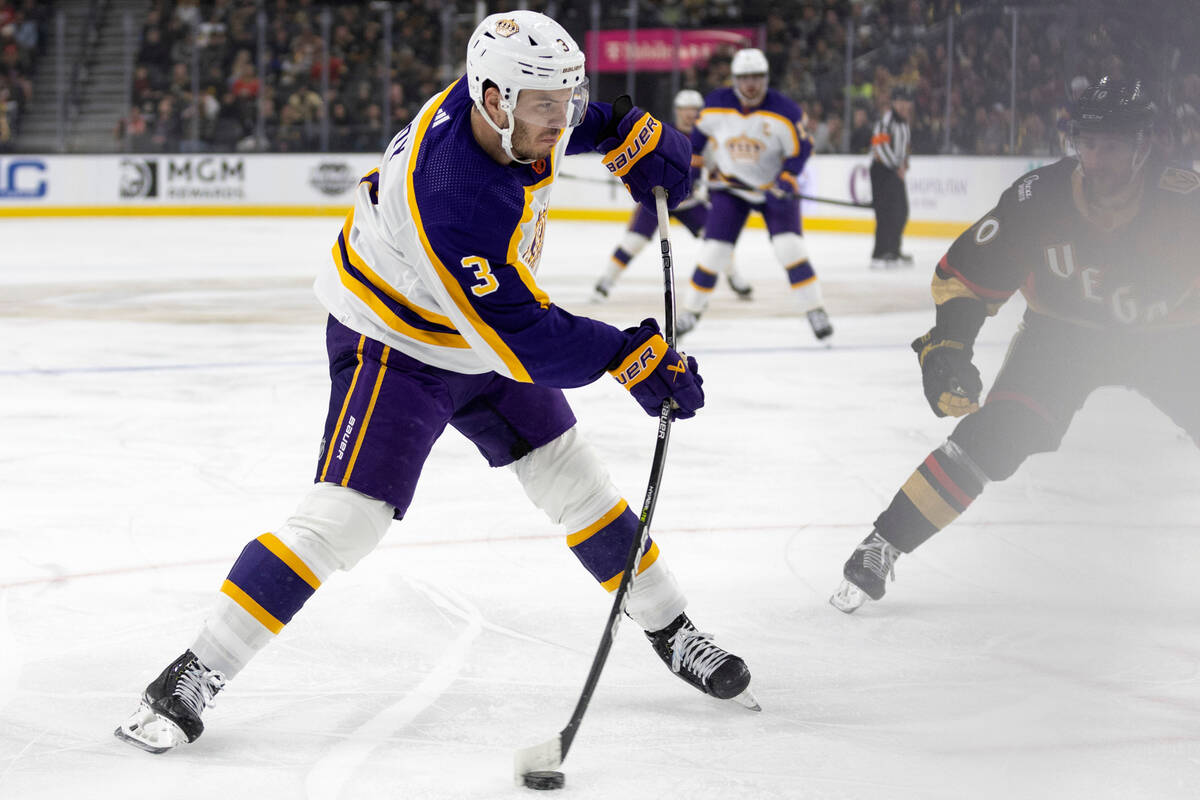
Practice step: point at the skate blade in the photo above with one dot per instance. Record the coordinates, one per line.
(848, 598)
(747, 700)
(150, 732)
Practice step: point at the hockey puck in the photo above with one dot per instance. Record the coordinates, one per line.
(544, 779)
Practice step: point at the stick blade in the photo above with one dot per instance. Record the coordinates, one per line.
(545, 756)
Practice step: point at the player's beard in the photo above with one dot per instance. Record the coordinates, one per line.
(527, 141)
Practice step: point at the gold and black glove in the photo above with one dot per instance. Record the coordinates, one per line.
(951, 381)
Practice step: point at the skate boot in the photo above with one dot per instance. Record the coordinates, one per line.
(600, 291)
(694, 657)
(743, 290)
(169, 714)
(686, 322)
(866, 573)
(822, 328)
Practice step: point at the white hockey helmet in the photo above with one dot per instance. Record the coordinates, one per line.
(749, 61)
(526, 50)
(689, 98)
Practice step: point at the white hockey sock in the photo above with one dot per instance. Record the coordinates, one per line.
(656, 599)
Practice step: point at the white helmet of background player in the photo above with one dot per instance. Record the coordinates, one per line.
(526, 50)
(689, 98)
(749, 61)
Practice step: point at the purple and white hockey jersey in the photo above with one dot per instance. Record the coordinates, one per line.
(438, 258)
(747, 149)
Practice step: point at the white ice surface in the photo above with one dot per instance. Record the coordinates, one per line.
(162, 387)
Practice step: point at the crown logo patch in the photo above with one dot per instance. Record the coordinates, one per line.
(507, 27)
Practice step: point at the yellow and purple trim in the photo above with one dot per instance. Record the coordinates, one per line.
(603, 546)
(270, 582)
(393, 308)
(515, 368)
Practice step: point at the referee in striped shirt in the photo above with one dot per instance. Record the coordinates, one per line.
(889, 163)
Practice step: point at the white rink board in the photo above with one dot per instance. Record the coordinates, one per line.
(941, 189)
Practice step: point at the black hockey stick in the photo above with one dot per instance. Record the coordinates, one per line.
(736, 185)
(549, 755)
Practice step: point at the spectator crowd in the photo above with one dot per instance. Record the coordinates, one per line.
(23, 26)
(207, 78)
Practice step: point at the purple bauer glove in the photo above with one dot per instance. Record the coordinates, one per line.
(652, 372)
(645, 153)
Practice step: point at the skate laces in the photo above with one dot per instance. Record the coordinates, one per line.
(197, 686)
(879, 557)
(695, 652)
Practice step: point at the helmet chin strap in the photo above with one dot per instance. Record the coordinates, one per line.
(505, 133)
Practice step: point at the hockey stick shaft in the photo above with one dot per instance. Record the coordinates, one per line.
(809, 197)
(656, 470)
(550, 755)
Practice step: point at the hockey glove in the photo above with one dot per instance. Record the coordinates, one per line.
(951, 381)
(644, 153)
(785, 186)
(653, 372)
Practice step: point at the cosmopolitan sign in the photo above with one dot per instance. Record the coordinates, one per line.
(662, 49)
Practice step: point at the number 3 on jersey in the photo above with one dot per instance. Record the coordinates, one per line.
(483, 271)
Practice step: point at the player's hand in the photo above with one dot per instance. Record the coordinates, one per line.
(952, 383)
(653, 372)
(644, 153)
(785, 186)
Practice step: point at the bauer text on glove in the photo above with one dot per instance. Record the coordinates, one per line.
(654, 372)
(645, 153)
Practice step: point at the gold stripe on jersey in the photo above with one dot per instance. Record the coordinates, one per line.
(251, 607)
(449, 282)
(389, 317)
(285, 554)
(788, 123)
(579, 537)
(514, 243)
(336, 432)
(949, 288)
(648, 559)
(361, 433)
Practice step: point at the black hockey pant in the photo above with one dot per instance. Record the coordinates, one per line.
(1050, 369)
(890, 198)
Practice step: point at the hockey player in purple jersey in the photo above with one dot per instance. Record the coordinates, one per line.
(1103, 247)
(693, 212)
(754, 141)
(436, 319)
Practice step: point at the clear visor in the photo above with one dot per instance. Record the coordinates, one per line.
(558, 108)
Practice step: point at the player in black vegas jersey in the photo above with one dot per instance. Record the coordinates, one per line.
(1104, 248)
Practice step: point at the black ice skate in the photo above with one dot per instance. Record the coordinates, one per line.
(743, 290)
(169, 714)
(821, 326)
(686, 322)
(697, 660)
(866, 573)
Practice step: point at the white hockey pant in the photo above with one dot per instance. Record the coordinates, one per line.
(331, 529)
(792, 252)
(566, 479)
(716, 259)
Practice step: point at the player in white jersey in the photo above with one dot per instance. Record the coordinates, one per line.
(693, 212)
(435, 321)
(755, 143)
